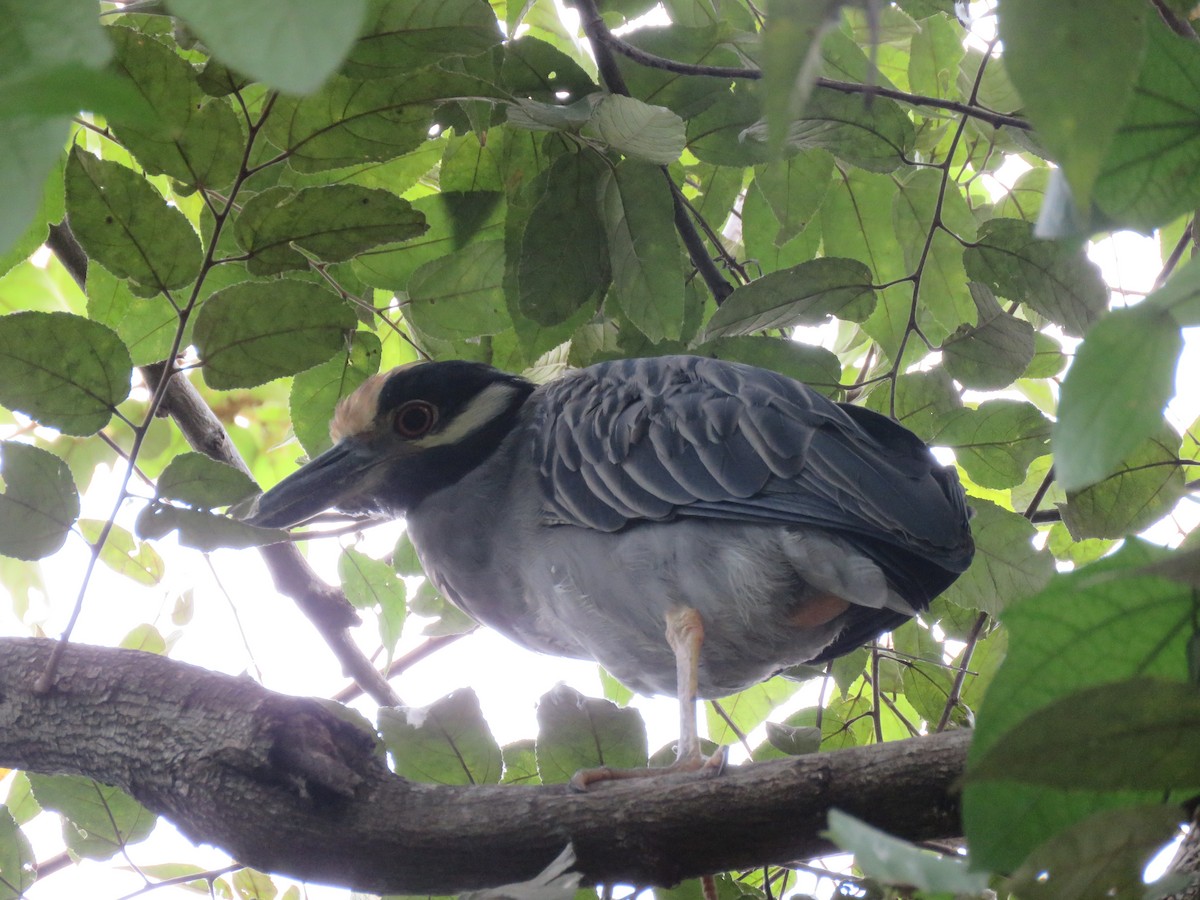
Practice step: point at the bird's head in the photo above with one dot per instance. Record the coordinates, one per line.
(399, 437)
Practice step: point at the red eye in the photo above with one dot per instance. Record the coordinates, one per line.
(414, 418)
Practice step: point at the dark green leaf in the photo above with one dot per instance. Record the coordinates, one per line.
(793, 740)
(124, 224)
(100, 820)
(1149, 746)
(203, 483)
(62, 370)
(447, 742)
(716, 135)
(996, 442)
(253, 332)
(898, 862)
(807, 294)
(291, 45)
(564, 252)
(924, 402)
(316, 392)
(993, 353)
(1006, 565)
(1055, 280)
(687, 95)
(1105, 855)
(196, 140)
(460, 295)
(1114, 394)
(40, 502)
(535, 69)
(577, 732)
(402, 35)
(1144, 488)
(332, 223)
(643, 249)
(1056, 56)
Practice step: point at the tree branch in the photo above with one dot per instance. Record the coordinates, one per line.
(286, 786)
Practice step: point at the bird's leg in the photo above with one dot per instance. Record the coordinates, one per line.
(685, 635)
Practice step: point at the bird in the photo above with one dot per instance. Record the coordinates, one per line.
(693, 525)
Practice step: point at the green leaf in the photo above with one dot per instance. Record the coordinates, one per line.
(794, 740)
(145, 638)
(995, 352)
(100, 820)
(291, 45)
(643, 250)
(1147, 747)
(650, 133)
(146, 326)
(1149, 174)
(564, 252)
(748, 709)
(1006, 565)
(794, 189)
(1181, 295)
(716, 134)
(368, 583)
(1105, 855)
(124, 224)
(202, 530)
(349, 122)
(1100, 624)
(332, 223)
(461, 294)
(807, 294)
(316, 392)
(403, 35)
(252, 332)
(791, 60)
(877, 136)
(196, 140)
(1144, 488)
(203, 483)
(1050, 277)
(1056, 56)
(520, 762)
(924, 402)
(1114, 393)
(577, 732)
(996, 442)
(17, 872)
(814, 366)
(40, 502)
(124, 554)
(535, 69)
(37, 40)
(62, 370)
(936, 53)
(447, 742)
(453, 220)
(893, 861)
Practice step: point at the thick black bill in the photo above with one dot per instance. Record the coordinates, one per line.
(330, 481)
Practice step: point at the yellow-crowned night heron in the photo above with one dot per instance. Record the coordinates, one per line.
(692, 525)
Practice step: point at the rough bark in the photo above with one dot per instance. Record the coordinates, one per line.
(286, 786)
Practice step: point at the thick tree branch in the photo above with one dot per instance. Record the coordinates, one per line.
(286, 786)
(326, 607)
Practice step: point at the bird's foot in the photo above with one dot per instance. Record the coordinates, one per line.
(703, 766)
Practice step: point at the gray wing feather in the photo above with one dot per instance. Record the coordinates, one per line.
(654, 439)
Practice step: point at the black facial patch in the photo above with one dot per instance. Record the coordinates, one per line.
(450, 386)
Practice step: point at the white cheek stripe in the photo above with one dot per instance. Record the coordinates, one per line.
(484, 408)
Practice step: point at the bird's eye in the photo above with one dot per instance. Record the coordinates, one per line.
(414, 418)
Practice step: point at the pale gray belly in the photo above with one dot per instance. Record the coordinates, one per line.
(589, 594)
